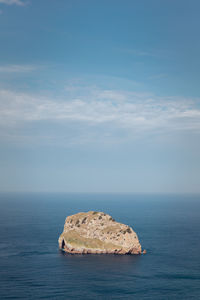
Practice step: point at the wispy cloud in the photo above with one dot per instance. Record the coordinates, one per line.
(11, 2)
(108, 111)
(137, 52)
(158, 76)
(147, 53)
(17, 68)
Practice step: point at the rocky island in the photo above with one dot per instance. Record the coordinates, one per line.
(98, 233)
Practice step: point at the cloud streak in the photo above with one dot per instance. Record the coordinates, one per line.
(11, 2)
(17, 68)
(105, 110)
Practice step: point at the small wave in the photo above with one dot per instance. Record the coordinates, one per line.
(178, 276)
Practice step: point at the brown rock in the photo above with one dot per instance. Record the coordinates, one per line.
(97, 232)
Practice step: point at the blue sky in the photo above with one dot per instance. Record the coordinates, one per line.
(100, 96)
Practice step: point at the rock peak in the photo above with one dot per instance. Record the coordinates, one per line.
(97, 232)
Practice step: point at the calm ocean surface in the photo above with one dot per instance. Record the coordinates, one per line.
(32, 267)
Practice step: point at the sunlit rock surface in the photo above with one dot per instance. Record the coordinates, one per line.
(97, 232)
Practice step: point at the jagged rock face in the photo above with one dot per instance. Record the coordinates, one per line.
(97, 232)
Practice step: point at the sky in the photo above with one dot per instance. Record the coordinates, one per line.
(100, 96)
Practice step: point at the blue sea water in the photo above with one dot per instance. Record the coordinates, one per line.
(32, 267)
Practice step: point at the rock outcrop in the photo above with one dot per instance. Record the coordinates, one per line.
(97, 232)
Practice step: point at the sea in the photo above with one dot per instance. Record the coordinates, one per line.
(32, 266)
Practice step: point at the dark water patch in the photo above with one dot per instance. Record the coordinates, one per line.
(179, 276)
